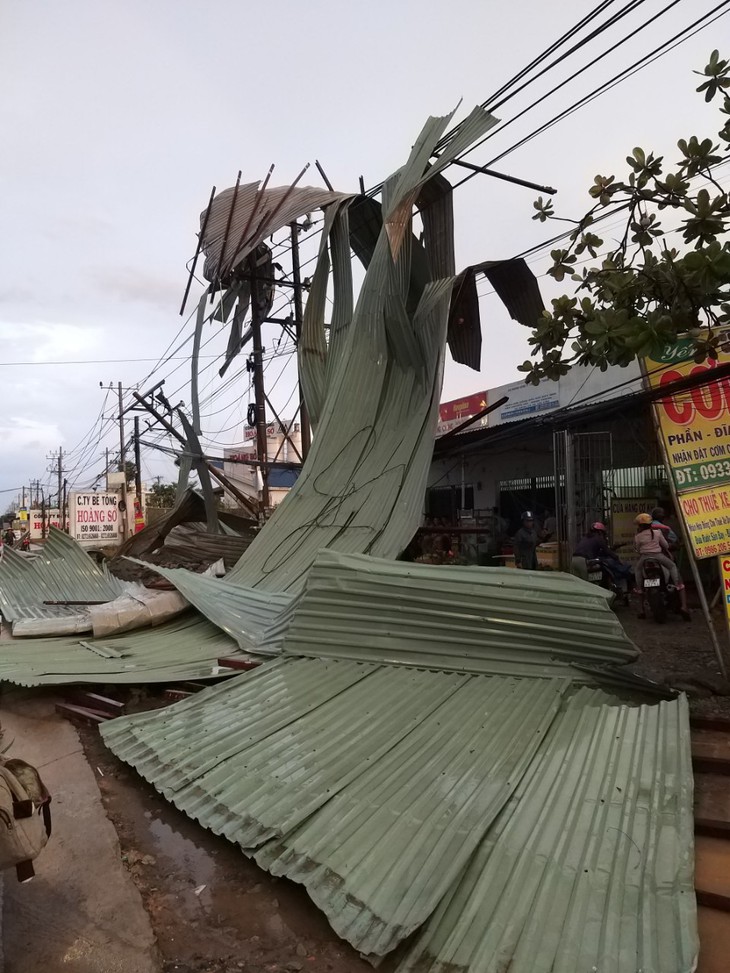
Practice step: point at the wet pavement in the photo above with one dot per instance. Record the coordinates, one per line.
(211, 908)
(81, 913)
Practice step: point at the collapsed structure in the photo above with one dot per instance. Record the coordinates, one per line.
(450, 760)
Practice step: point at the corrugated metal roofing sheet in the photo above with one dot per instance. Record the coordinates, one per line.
(590, 865)
(553, 835)
(465, 618)
(250, 214)
(362, 487)
(256, 619)
(61, 572)
(343, 768)
(187, 648)
(482, 620)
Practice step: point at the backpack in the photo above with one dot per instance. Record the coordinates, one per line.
(25, 817)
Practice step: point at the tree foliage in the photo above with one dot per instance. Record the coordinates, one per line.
(162, 495)
(644, 291)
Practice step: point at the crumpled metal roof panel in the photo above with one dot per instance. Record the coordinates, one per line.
(590, 866)
(493, 620)
(481, 620)
(187, 648)
(256, 619)
(347, 771)
(61, 572)
(503, 820)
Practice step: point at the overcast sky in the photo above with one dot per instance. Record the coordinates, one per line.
(118, 117)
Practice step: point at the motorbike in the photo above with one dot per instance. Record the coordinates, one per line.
(660, 595)
(599, 573)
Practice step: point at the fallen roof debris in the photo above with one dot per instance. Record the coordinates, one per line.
(62, 572)
(419, 756)
(377, 788)
(186, 648)
(590, 865)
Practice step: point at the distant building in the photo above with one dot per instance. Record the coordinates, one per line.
(283, 455)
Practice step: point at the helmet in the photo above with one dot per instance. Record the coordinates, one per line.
(643, 519)
(599, 526)
(527, 515)
(657, 513)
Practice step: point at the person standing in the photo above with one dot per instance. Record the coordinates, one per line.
(525, 543)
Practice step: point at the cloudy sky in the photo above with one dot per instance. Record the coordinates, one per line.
(117, 118)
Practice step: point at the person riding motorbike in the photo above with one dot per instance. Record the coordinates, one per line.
(658, 516)
(594, 546)
(651, 543)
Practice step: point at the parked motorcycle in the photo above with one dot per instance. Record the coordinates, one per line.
(599, 573)
(660, 595)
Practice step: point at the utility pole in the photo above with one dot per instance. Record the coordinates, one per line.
(121, 427)
(298, 317)
(123, 465)
(60, 483)
(137, 463)
(258, 382)
(106, 468)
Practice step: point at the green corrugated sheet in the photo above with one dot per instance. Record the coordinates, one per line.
(326, 771)
(506, 823)
(465, 618)
(590, 865)
(63, 571)
(377, 391)
(186, 648)
(484, 620)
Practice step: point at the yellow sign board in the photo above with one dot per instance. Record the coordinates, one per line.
(623, 523)
(707, 516)
(725, 579)
(695, 425)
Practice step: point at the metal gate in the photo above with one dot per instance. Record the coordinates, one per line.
(584, 472)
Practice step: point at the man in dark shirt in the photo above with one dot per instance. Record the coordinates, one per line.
(594, 546)
(525, 543)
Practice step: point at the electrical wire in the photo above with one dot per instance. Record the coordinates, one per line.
(638, 65)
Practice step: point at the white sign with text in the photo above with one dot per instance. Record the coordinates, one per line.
(95, 518)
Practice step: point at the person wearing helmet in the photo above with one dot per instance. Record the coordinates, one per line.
(658, 516)
(525, 543)
(650, 542)
(594, 546)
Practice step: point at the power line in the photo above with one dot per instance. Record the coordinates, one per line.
(664, 48)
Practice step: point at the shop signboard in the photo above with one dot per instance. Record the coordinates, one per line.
(526, 401)
(35, 522)
(706, 513)
(695, 425)
(695, 428)
(623, 523)
(456, 411)
(725, 579)
(94, 518)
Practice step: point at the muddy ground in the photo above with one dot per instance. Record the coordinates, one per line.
(680, 654)
(213, 910)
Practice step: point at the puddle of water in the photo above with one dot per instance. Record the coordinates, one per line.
(193, 862)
